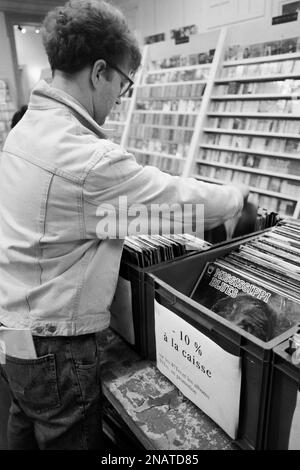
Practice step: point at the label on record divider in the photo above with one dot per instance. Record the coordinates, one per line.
(205, 373)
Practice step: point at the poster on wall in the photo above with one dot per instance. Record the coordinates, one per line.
(182, 34)
(287, 11)
(154, 38)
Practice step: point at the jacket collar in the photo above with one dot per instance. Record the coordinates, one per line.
(44, 96)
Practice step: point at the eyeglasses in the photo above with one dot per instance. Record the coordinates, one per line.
(128, 83)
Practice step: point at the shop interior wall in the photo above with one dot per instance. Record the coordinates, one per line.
(148, 17)
(32, 58)
(7, 66)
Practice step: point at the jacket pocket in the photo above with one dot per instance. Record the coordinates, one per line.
(33, 383)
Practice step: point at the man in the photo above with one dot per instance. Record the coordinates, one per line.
(58, 270)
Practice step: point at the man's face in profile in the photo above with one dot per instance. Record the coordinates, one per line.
(108, 92)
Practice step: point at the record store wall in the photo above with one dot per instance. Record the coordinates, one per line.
(151, 17)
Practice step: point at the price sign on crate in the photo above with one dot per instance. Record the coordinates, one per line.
(204, 372)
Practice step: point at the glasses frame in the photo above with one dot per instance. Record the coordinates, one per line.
(129, 80)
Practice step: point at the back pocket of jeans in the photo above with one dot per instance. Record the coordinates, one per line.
(33, 383)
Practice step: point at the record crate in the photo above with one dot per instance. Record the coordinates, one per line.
(170, 286)
(129, 317)
(283, 417)
(128, 309)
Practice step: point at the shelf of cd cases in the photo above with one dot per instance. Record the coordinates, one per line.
(246, 169)
(253, 189)
(154, 153)
(185, 71)
(241, 116)
(257, 115)
(252, 130)
(258, 78)
(161, 111)
(248, 96)
(170, 96)
(250, 150)
(264, 59)
(252, 133)
(263, 198)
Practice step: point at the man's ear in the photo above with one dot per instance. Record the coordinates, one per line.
(98, 70)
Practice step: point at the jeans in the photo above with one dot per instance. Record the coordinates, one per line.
(56, 398)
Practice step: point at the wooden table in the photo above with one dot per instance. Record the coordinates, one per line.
(152, 407)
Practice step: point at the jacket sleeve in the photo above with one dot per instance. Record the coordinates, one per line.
(118, 187)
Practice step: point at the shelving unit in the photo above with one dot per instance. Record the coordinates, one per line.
(168, 101)
(223, 121)
(251, 133)
(164, 117)
(7, 110)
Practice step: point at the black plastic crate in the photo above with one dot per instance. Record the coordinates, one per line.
(171, 286)
(127, 310)
(131, 296)
(284, 392)
(129, 316)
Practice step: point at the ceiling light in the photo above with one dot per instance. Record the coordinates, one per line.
(23, 30)
(37, 30)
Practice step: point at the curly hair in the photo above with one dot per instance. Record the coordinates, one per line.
(83, 31)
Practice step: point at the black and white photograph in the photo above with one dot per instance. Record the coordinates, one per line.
(149, 229)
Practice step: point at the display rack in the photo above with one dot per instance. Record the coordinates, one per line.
(221, 121)
(168, 100)
(7, 110)
(251, 132)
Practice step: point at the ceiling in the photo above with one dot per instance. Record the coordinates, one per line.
(35, 7)
(34, 11)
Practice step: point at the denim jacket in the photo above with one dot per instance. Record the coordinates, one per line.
(57, 274)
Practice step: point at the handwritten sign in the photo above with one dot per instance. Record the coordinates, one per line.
(204, 372)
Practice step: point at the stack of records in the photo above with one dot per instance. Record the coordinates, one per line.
(147, 250)
(257, 287)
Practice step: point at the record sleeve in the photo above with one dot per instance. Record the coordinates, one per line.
(274, 250)
(292, 287)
